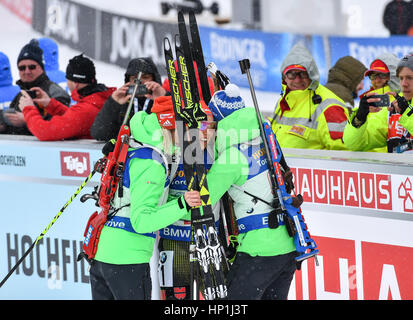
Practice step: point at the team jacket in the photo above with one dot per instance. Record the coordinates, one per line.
(181, 230)
(143, 208)
(72, 122)
(240, 165)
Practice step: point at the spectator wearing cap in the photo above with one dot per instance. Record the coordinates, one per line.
(32, 74)
(68, 122)
(382, 74)
(308, 115)
(389, 127)
(108, 121)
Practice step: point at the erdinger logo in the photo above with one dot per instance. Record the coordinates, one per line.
(405, 192)
(74, 164)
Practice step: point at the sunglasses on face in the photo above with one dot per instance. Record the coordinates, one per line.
(291, 75)
(382, 76)
(30, 67)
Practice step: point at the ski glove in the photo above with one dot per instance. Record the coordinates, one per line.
(362, 112)
(402, 102)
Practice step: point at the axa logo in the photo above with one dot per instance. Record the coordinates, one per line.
(75, 164)
(405, 193)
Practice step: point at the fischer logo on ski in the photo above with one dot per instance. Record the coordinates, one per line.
(205, 248)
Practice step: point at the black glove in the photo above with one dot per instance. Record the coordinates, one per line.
(362, 112)
(402, 102)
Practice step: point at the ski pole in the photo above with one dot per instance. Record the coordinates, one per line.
(47, 228)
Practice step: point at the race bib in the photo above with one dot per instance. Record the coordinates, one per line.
(165, 268)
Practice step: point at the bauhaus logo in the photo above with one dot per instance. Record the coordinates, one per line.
(74, 164)
(355, 189)
(405, 192)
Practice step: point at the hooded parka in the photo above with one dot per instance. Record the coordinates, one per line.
(313, 118)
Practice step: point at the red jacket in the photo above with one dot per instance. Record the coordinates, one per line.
(67, 122)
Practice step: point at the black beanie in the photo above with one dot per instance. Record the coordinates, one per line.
(81, 69)
(144, 65)
(32, 51)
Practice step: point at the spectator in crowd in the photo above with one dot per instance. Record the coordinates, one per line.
(32, 74)
(344, 79)
(308, 115)
(68, 122)
(397, 17)
(51, 62)
(7, 90)
(108, 121)
(390, 128)
(382, 74)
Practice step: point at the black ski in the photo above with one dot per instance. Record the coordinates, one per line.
(198, 56)
(204, 237)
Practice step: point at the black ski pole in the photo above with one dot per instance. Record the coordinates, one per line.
(47, 228)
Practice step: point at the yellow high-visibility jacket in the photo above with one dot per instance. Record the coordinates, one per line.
(299, 122)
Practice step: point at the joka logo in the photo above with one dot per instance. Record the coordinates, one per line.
(74, 164)
(405, 192)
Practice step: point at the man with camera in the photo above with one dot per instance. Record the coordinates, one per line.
(68, 123)
(32, 74)
(108, 121)
(390, 128)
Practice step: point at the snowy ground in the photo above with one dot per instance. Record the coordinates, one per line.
(15, 33)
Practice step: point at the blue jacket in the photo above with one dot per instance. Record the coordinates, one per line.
(7, 90)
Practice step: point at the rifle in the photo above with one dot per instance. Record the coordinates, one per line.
(284, 204)
(112, 167)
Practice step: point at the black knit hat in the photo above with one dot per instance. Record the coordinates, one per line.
(144, 65)
(81, 69)
(32, 51)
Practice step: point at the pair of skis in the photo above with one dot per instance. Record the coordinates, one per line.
(205, 249)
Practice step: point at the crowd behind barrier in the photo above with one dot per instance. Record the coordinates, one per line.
(116, 39)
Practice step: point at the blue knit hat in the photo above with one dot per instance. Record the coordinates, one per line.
(225, 102)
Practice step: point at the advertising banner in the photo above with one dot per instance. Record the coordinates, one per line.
(125, 38)
(361, 220)
(37, 179)
(360, 213)
(68, 22)
(265, 51)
